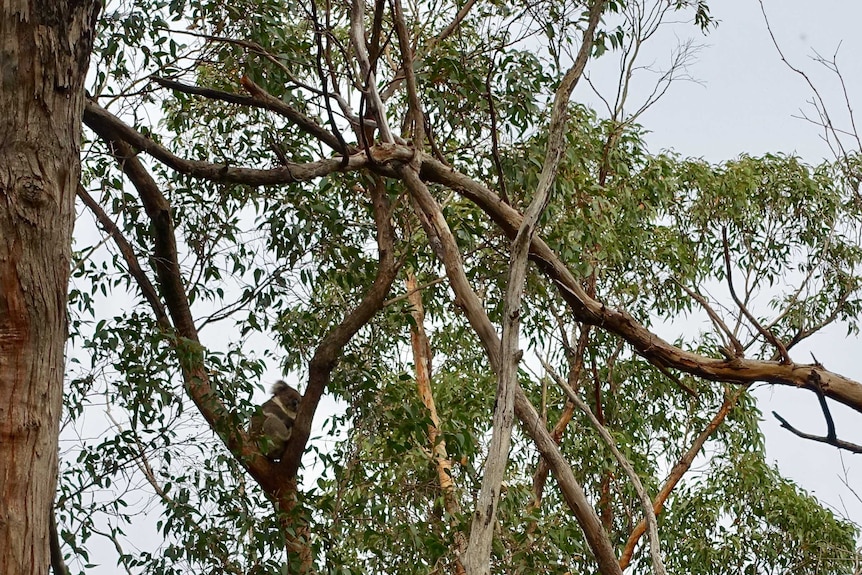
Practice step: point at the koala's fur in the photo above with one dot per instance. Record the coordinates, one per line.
(272, 427)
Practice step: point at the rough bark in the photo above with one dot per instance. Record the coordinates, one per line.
(44, 50)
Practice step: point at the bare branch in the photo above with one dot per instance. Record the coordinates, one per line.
(825, 121)
(768, 335)
(839, 443)
(831, 437)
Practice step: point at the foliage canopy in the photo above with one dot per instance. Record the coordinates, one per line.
(270, 224)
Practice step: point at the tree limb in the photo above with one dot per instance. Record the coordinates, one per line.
(584, 308)
(477, 558)
(331, 346)
(648, 345)
(768, 335)
(259, 98)
(839, 443)
(148, 290)
(646, 502)
(683, 465)
(422, 365)
(99, 119)
(831, 438)
(443, 243)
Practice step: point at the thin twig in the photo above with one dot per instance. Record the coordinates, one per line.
(768, 335)
(676, 474)
(716, 319)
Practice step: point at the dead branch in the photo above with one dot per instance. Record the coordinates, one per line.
(831, 437)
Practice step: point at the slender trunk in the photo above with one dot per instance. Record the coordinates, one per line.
(44, 50)
(422, 360)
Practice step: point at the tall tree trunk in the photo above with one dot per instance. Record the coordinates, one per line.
(45, 47)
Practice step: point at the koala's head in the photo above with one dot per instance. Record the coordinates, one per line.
(287, 396)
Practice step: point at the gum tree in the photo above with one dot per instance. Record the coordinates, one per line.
(268, 175)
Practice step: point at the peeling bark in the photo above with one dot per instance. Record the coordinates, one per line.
(437, 444)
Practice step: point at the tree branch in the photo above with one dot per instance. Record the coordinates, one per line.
(422, 365)
(58, 564)
(648, 345)
(99, 119)
(646, 502)
(330, 348)
(148, 290)
(831, 438)
(839, 443)
(738, 350)
(583, 307)
(357, 38)
(768, 335)
(259, 98)
(683, 465)
(189, 349)
(576, 365)
(443, 243)
(477, 558)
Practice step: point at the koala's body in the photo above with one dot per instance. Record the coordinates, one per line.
(272, 428)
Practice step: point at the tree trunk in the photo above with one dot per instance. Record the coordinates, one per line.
(45, 47)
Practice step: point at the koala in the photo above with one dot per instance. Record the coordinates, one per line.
(272, 428)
